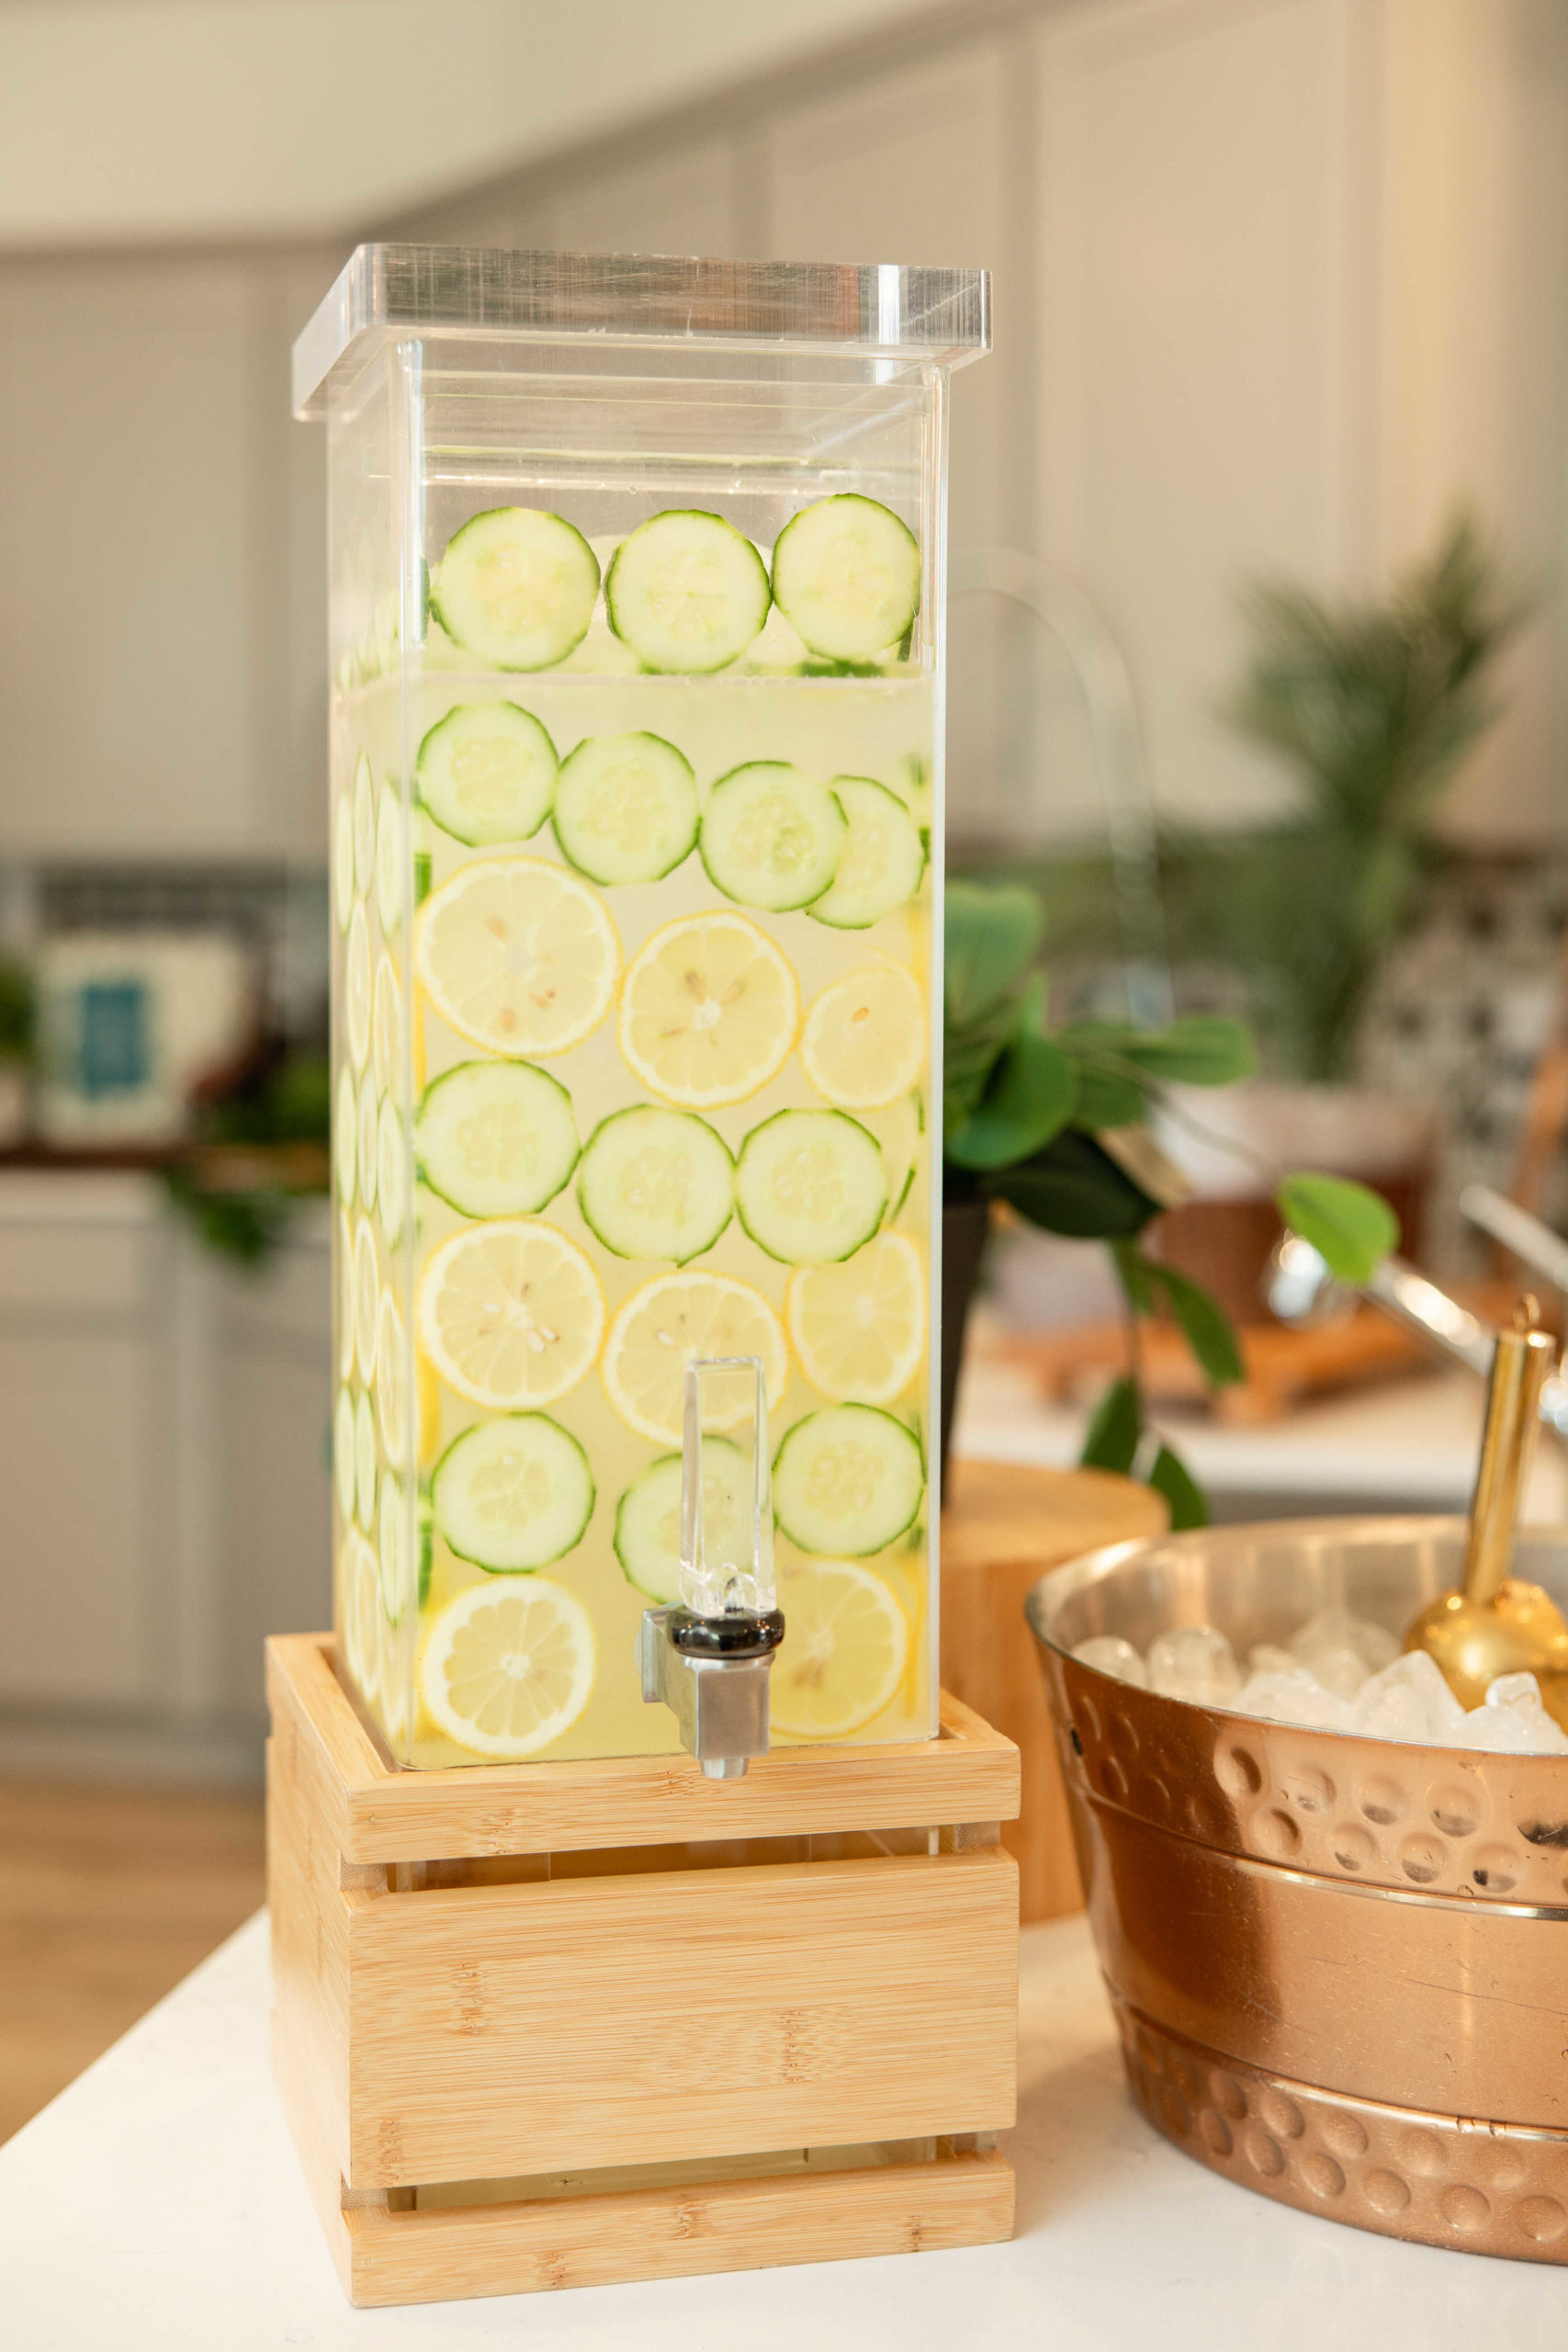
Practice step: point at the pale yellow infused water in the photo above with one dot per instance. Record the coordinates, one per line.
(569, 1172)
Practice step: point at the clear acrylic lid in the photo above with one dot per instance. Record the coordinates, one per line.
(388, 293)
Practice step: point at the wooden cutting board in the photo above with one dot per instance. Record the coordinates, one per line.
(1003, 1526)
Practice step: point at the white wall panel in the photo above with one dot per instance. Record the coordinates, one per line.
(677, 204)
(1196, 427)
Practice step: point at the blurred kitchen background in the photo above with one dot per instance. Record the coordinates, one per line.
(1281, 291)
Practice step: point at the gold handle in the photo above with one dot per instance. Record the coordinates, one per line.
(1520, 1364)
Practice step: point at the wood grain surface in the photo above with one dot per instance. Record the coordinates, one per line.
(1005, 1524)
(577, 2023)
(391, 2257)
(969, 1773)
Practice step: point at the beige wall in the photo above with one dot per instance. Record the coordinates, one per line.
(1277, 282)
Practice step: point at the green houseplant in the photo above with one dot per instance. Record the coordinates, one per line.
(1368, 706)
(1050, 1121)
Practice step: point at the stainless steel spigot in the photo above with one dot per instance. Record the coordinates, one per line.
(708, 1656)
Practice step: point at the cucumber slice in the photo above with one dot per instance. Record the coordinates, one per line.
(424, 1540)
(487, 773)
(392, 861)
(881, 863)
(647, 1517)
(656, 1183)
(810, 1186)
(365, 1461)
(847, 577)
(345, 1471)
(391, 1544)
(512, 1494)
(848, 1479)
(391, 1171)
(496, 1138)
(343, 859)
(345, 1135)
(369, 1118)
(626, 807)
(687, 592)
(363, 826)
(517, 587)
(772, 837)
(903, 1127)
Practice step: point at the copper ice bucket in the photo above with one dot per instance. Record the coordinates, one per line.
(1332, 1959)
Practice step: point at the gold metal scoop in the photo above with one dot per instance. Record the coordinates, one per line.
(1497, 1624)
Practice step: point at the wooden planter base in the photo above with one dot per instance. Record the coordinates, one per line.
(551, 2025)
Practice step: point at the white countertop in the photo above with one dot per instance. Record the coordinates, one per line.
(157, 2207)
(1409, 1444)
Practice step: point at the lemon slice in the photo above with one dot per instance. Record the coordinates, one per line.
(357, 988)
(358, 1608)
(366, 1299)
(508, 1669)
(519, 956)
(347, 1320)
(864, 1040)
(661, 1327)
(427, 1389)
(392, 1383)
(709, 1010)
(364, 1463)
(367, 1115)
(510, 1313)
(343, 1454)
(859, 1329)
(386, 1025)
(844, 1647)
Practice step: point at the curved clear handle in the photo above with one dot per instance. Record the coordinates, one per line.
(727, 1511)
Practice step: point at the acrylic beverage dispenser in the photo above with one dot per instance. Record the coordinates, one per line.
(636, 601)
(635, 614)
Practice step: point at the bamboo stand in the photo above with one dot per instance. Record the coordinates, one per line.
(554, 2025)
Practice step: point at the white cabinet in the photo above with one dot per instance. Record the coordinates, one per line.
(164, 1484)
(84, 1443)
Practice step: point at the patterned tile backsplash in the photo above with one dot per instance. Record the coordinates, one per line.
(1456, 1020)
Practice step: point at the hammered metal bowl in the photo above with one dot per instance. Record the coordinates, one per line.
(1339, 1965)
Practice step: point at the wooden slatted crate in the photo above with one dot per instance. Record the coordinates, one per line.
(549, 2025)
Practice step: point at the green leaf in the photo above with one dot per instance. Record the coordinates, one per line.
(1073, 1188)
(990, 936)
(1104, 1099)
(1204, 1323)
(1027, 1100)
(1113, 1433)
(1351, 1228)
(1170, 1477)
(1206, 1049)
(1134, 1269)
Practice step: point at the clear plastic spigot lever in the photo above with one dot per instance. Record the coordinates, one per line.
(727, 1512)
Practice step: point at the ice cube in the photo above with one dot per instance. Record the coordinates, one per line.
(1291, 1695)
(1512, 1691)
(1110, 1654)
(1517, 1730)
(1194, 1662)
(1341, 1629)
(1408, 1700)
(1268, 1658)
(1342, 1671)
